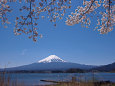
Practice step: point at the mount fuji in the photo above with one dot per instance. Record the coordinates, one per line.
(51, 62)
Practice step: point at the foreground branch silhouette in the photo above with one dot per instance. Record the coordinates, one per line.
(55, 9)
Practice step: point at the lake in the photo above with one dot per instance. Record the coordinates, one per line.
(34, 78)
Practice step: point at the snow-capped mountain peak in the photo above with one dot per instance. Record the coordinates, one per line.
(51, 58)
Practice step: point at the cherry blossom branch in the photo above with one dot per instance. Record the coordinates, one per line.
(88, 9)
(109, 9)
(108, 18)
(33, 15)
(32, 21)
(107, 21)
(80, 13)
(4, 8)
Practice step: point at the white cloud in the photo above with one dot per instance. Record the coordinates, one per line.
(24, 52)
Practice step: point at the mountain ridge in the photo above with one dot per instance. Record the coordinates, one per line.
(106, 68)
(51, 62)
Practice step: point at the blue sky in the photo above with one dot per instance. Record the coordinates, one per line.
(71, 43)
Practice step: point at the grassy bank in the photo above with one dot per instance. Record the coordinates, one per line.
(82, 84)
(6, 81)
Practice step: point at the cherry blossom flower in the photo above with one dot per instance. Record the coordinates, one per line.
(104, 25)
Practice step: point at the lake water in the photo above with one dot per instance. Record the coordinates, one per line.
(34, 78)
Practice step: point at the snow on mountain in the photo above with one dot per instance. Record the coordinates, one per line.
(51, 58)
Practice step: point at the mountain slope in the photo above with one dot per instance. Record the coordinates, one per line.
(51, 66)
(106, 68)
(52, 62)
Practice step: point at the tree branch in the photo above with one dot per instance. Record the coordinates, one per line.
(87, 10)
(109, 9)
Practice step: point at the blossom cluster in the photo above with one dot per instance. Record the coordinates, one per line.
(104, 25)
(107, 22)
(27, 23)
(56, 9)
(4, 9)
